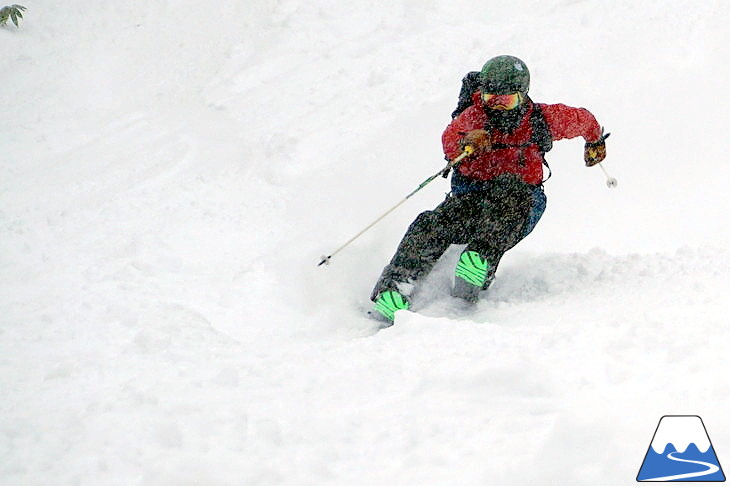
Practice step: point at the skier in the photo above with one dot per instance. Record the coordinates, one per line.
(496, 196)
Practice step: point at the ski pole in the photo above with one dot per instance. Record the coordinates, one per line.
(611, 182)
(468, 150)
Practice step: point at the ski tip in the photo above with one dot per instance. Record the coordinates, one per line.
(325, 260)
(383, 321)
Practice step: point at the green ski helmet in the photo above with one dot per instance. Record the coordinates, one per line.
(504, 75)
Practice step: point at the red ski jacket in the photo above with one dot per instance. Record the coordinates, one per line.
(515, 152)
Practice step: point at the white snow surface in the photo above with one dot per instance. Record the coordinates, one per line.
(171, 173)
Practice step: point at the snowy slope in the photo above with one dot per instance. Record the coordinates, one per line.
(171, 175)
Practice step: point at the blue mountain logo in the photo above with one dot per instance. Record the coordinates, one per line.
(681, 451)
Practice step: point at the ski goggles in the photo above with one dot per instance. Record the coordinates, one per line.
(502, 101)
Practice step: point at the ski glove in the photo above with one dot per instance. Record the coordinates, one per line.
(479, 140)
(595, 152)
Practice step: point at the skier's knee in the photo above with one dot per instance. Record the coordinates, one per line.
(426, 221)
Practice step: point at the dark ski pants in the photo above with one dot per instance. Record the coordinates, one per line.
(489, 221)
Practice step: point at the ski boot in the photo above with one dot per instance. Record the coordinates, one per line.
(388, 302)
(472, 276)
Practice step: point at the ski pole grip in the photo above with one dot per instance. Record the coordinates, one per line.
(468, 150)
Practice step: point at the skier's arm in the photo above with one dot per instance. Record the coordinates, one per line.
(568, 122)
(457, 129)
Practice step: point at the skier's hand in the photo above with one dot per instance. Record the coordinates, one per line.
(479, 140)
(595, 152)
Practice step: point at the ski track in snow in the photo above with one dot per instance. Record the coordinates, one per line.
(711, 469)
(169, 181)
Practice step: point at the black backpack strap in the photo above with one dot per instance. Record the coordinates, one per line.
(541, 135)
(469, 84)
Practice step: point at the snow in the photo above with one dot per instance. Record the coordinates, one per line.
(171, 174)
